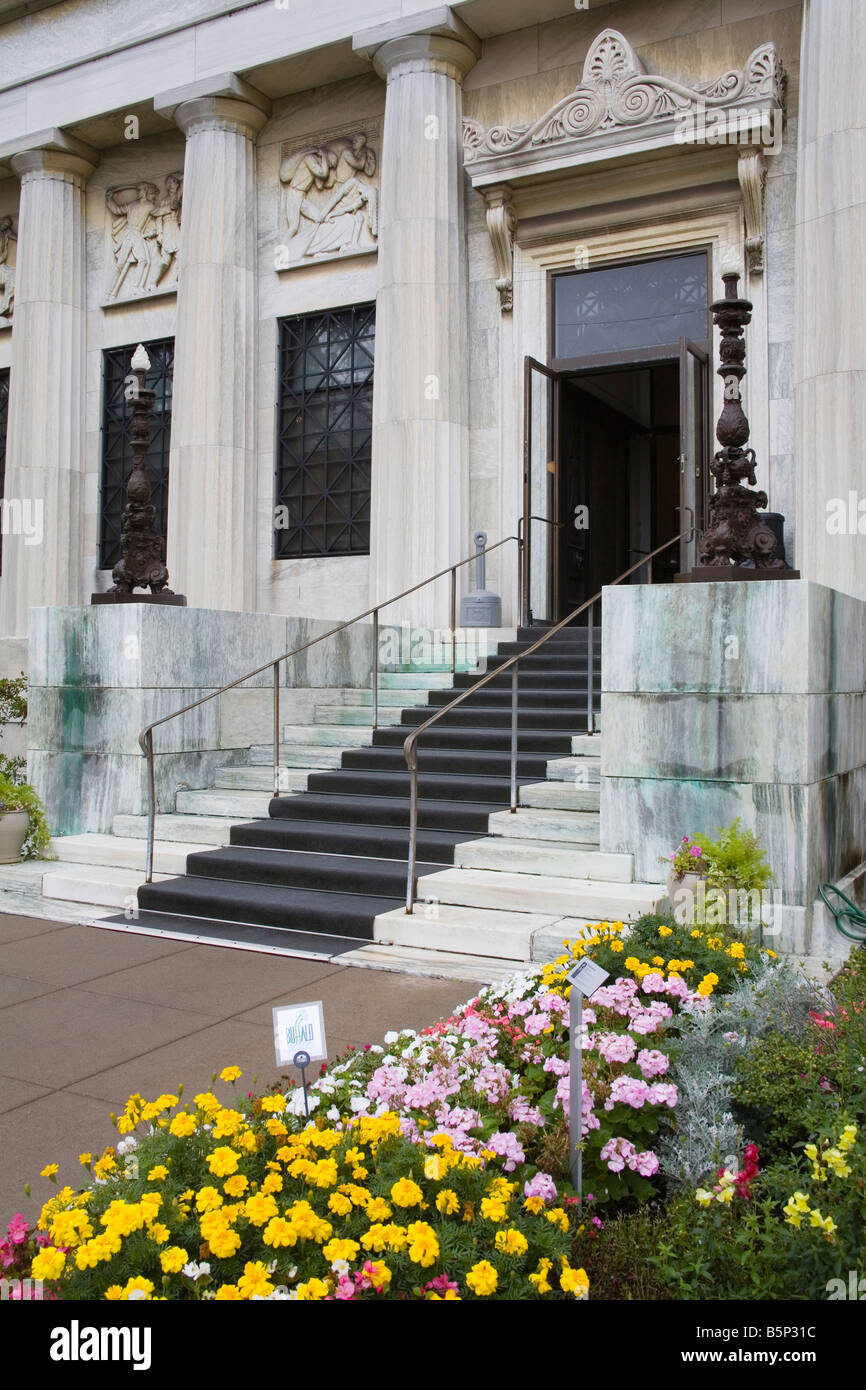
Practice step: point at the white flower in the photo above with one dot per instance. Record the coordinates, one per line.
(374, 1047)
(340, 1267)
(135, 1295)
(194, 1270)
(333, 1113)
(359, 1103)
(390, 1038)
(126, 1146)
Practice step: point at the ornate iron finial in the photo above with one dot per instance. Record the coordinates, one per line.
(142, 562)
(738, 542)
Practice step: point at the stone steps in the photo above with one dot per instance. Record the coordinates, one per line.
(292, 779)
(498, 890)
(191, 830)
(564, 827)
(237, 805)
(126, 852)
(97, 884)
(551, 857)
(560, 796)
(323, 736)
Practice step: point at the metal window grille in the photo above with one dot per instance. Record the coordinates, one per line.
(116, 445)
(325, 429)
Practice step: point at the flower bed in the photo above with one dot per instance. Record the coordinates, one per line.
(435, 1169)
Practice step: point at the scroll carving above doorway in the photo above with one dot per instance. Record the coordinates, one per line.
(617, 96)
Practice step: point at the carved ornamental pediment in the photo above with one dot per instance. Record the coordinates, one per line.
(618, 96)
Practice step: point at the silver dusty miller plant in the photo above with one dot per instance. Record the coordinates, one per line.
(775, 999)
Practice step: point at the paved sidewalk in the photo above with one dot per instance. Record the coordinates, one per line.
(88, 1016)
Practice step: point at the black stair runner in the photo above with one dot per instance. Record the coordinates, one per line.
(326, 862)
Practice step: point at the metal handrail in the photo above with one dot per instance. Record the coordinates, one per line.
(145, 738)
(410, 745)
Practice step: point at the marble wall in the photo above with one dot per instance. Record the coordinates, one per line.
(724, 700)
(99, 675)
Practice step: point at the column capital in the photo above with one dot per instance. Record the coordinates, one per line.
(433, 41)
(225, 102)
(52, 153)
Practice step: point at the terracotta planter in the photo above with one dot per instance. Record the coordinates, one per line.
(13, 831)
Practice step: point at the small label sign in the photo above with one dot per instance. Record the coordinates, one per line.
(299, 1028)
(587, 977)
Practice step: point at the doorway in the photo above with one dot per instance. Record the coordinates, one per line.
(616, 431)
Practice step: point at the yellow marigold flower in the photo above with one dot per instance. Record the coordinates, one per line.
(138, 1284)
(228, 1293)
(48, 1263)
(259, 1208)
(85, 1160)
(423, 1244)
(377, 1209)
(236, 1185)
(70, 1228)
(279, 1232)
(406, 1193)
(614, 946)
(313, 1291)
(275, 1104)
(376, 1238)
(324, 1173)
(182, 1126)
(173, 1259)
(379, 1274)
(224, 1244)
(227, 1123)
(123, 1217)
(324, 1138)
(557, 1217)
(158, 1233)
(743, 966)
(222, 1162)
(631, 963)
(396, 1237)
(272, 1183)
(340, 1250)
(511, 1242)
(736, 950)
(574, 1281)
(534, 1205)
(539, 1278)
(360, 1173)
(658, 960)
(697, 934)
(207, 1101)
(113, 1292)
(276, 1128)
(208, 1199)
(447, 1202)
(482, 1279)
(50, 1170)
(665, 931)
(254, 1281)
(103, 1166)
(493, 1209)
(340, 1204)
(158, 1174)
(502, 1189)
(231, 1074)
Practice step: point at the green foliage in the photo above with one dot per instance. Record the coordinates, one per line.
(776, 1089)
(735, 858)
(617, 1255)
(21, 797)
(13, 710)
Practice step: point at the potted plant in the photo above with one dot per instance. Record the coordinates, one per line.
(24, 830)
(732, 864)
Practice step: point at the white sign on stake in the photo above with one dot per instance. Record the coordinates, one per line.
(585, 978)
(299, 1028)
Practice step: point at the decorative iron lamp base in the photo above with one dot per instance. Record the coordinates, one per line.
(724, 574)
(110, 596)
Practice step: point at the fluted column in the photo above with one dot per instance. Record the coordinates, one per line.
(830, 328)
(419, 515)
(212, 467)
(42, 557)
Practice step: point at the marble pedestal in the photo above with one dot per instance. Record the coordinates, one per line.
(724, 700)
(98, 675)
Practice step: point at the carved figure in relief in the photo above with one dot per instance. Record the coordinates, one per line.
(332, 205)
(7, 272)
(146, 234)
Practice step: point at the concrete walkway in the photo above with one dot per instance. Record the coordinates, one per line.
(88, 1016)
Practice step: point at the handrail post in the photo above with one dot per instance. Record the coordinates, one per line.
(514, 737)
(413, 832)
(453, 619)
(151, 808)
(374, 691)
(276, 728)
(590, 676)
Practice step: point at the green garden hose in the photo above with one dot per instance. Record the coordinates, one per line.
(850, 914)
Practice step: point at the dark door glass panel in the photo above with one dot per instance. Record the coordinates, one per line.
(626, 307)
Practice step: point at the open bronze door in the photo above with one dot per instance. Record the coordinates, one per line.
(541, 521)
(694, 449)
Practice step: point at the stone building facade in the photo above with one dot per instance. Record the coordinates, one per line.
(198, 175)
(407, 273)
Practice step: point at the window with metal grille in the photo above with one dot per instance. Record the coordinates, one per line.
(325, 431)
(117, 447)
(4, 421)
